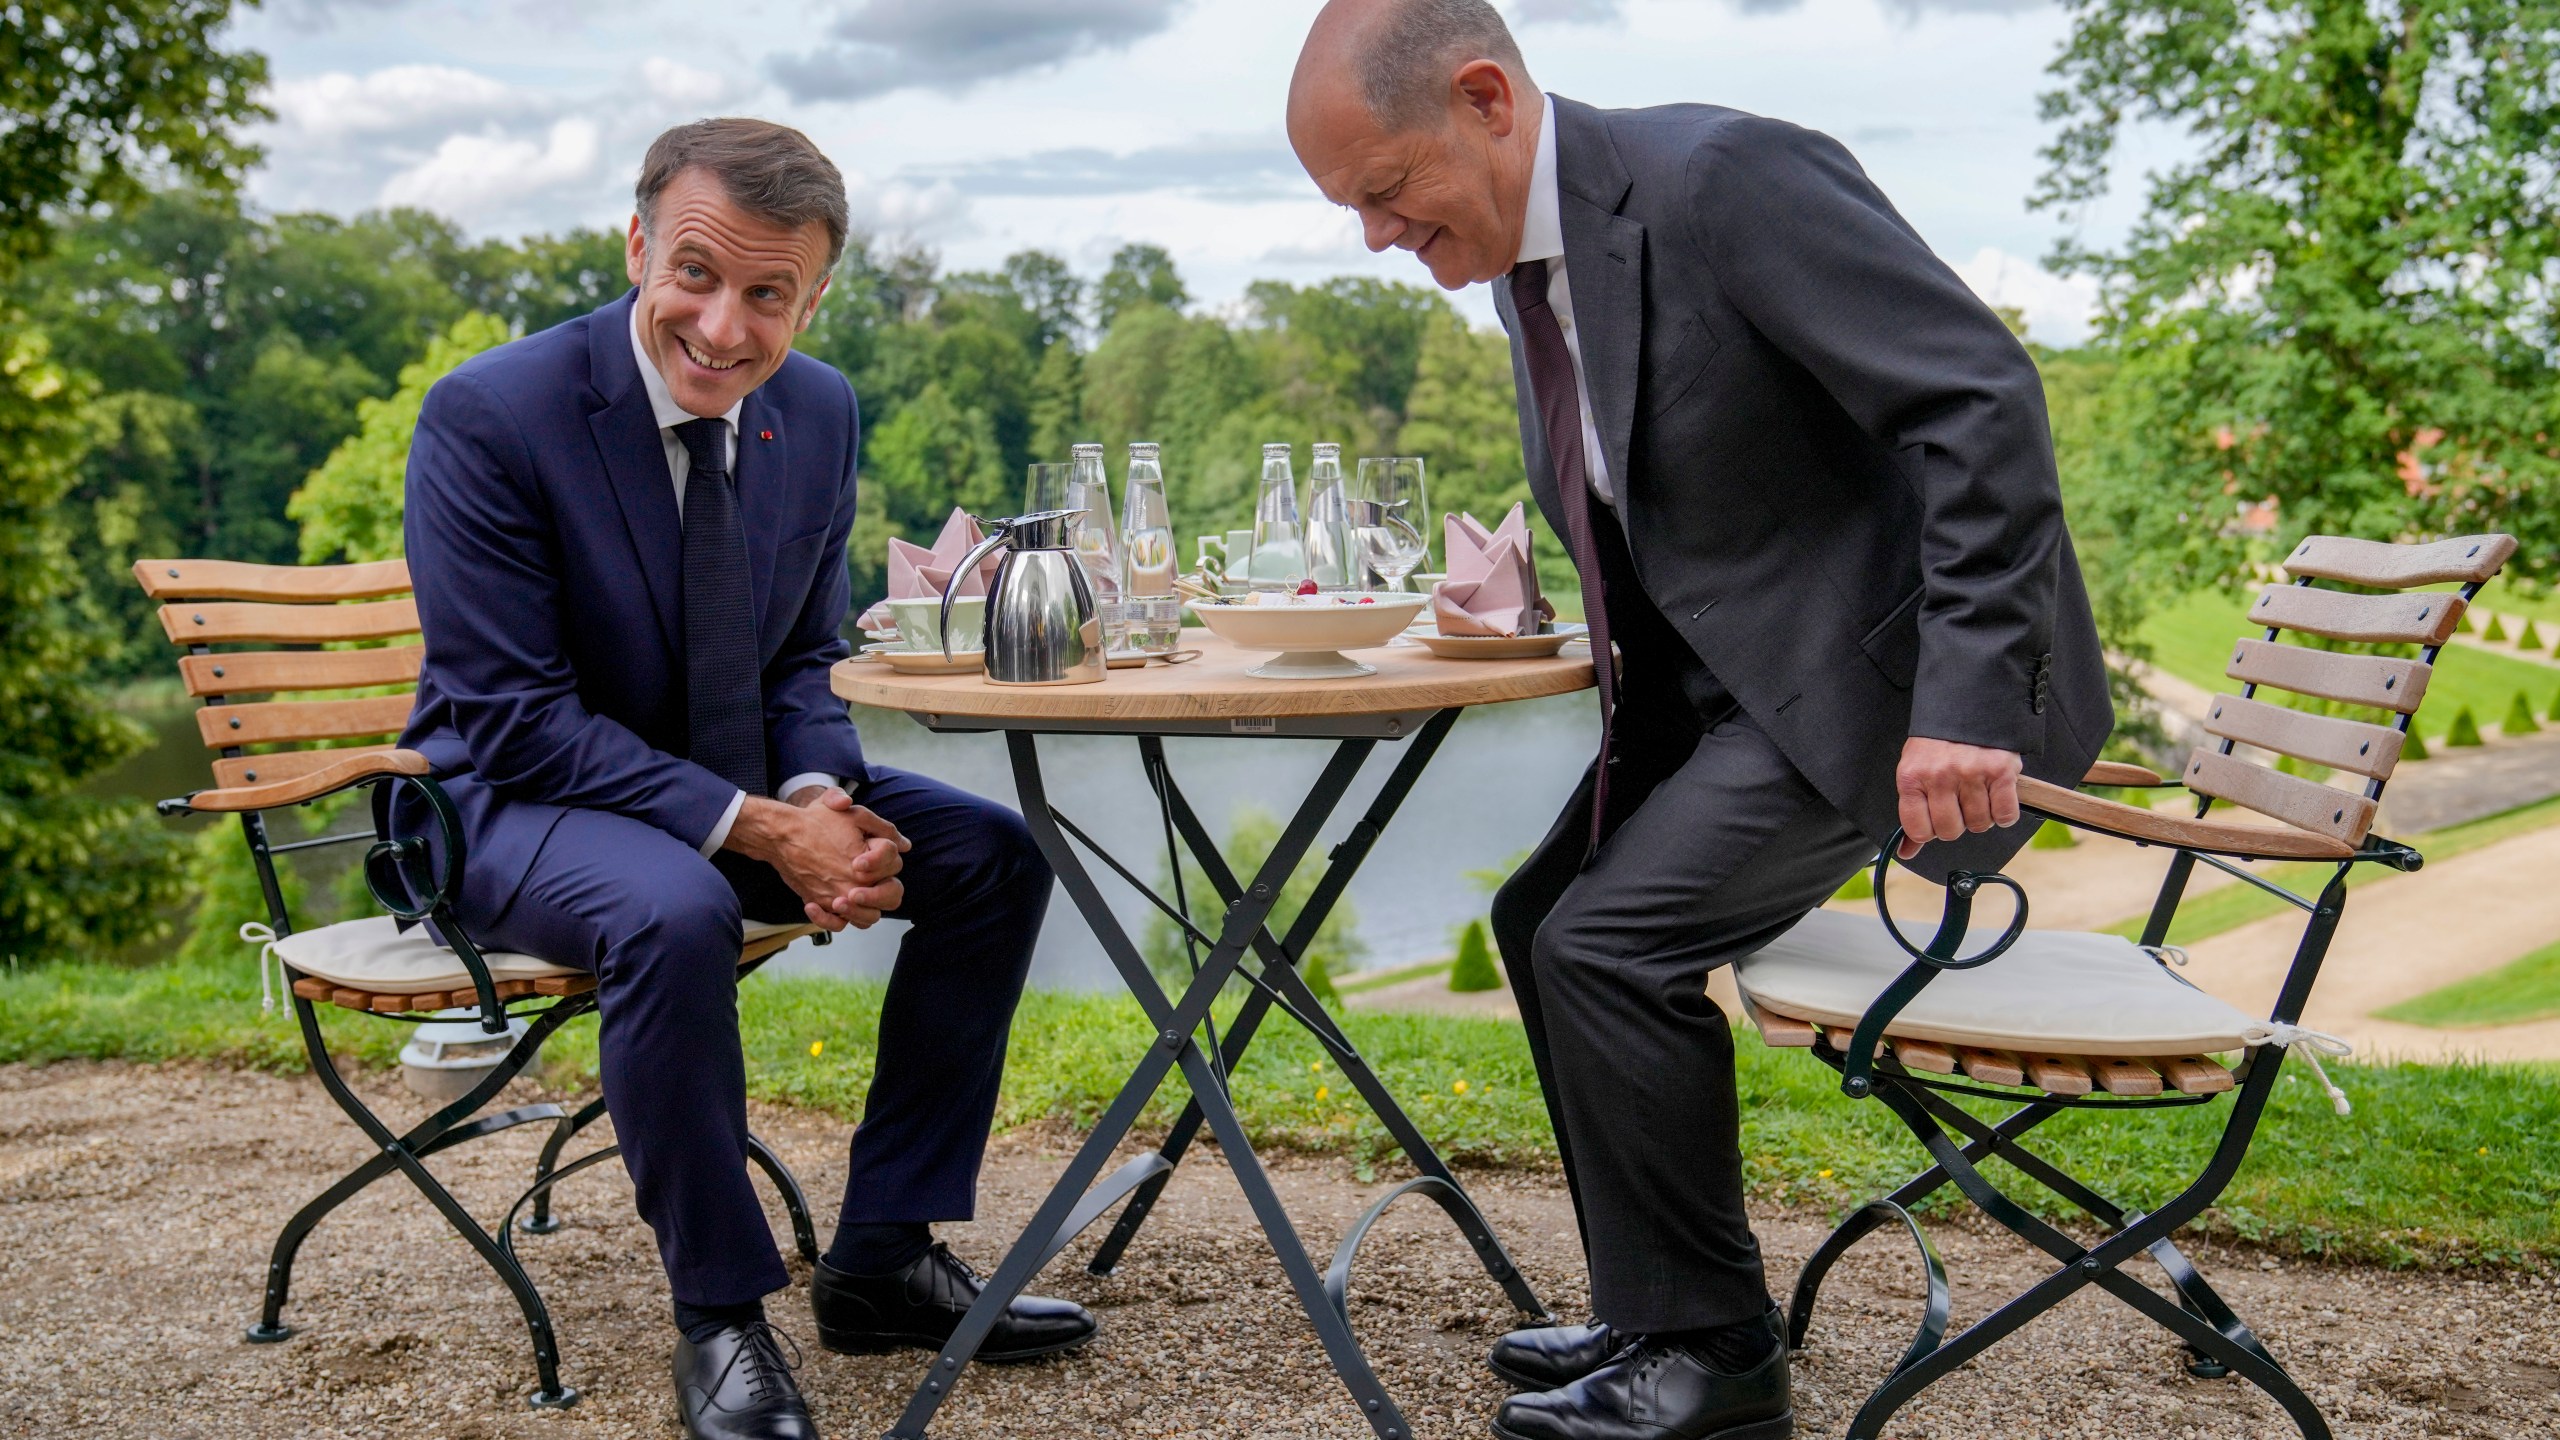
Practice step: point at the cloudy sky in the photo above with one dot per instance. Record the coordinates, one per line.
(981, 127)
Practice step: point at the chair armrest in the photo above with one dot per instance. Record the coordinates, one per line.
(327, 780)
(2116, 772)
(2214, 837)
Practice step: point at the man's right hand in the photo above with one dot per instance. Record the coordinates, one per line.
(839, 858)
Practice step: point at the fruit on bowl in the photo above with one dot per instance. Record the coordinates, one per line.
(1310, 630)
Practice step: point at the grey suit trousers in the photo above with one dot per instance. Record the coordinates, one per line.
(1718, 855)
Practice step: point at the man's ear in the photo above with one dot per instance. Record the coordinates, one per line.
(819, 294)
(635, 253)
(1485, 88)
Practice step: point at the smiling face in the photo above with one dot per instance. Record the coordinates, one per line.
(721, 291)
(1455, 194)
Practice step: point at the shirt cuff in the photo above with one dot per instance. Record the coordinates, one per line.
(804, 779)
(719, 835)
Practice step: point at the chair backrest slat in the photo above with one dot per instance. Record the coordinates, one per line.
(2305, 804)
(2424, 618)
(282, 765)
(237, 622)
(2384, 682)
(264, 672)
(2353, 745)
(298, 720)
(291, 584)
(2385, 566)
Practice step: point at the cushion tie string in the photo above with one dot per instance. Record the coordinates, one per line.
(2313, 1044)
(265, 937)
(2167, 954)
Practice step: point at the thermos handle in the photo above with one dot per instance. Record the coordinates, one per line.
(968, 566)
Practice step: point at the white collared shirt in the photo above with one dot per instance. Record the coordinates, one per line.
(669, 415)
(1542, 238)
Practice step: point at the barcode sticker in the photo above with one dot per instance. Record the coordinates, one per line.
(1260, 725)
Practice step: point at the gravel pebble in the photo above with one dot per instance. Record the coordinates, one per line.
(137, 1205)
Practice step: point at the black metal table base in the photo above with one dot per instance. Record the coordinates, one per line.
(1078, 1200)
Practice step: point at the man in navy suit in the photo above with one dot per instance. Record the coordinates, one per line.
(627, 534)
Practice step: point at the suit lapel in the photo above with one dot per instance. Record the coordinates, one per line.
(1604, 263)
(635, 465)
(763, 470)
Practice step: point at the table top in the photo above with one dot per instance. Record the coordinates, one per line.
(1213, 694)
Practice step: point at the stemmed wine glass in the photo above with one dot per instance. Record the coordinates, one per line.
(1392, 516)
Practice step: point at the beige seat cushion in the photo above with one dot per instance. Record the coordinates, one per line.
(2062, 992)
(373, 955)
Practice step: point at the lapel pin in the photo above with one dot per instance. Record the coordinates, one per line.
(764, 434)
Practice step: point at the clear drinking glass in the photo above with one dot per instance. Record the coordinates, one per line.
(1279, 559)
(1391, 516)
(1146, 555)
(1332, 561)
(1046, 488)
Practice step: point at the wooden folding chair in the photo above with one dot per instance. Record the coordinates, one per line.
(269, 756)
(2088, 1021)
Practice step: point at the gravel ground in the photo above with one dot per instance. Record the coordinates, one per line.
(136, 1207)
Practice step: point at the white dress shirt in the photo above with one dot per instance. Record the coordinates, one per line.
(662, 404)
(1542, 238)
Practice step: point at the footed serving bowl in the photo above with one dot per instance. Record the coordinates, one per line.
(1311, 631)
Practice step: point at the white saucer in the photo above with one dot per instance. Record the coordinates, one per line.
(1502, 647)
(927, 662)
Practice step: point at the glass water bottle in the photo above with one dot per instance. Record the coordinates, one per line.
(1279, 558)
(1097, 536)
(1332, 562)
(1146, 555)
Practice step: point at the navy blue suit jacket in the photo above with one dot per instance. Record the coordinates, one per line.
(546, 549)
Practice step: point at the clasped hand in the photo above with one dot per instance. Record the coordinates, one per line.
(1948, 790)
(838, 857)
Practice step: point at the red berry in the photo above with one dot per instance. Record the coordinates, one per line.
(1306, 587)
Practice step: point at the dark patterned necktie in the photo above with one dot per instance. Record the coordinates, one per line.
(724, 699)
(1559, 400)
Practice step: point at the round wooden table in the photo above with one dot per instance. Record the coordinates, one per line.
(1214, 696)
(1413, 699)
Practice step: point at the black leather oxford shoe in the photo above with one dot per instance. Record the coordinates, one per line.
(1553, 1356)
(1659, 1392)
(736, 1386)
(920, 1306)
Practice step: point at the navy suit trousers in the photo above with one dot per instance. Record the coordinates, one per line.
(658, 925)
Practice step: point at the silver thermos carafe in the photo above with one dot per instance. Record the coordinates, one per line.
(1043, 627)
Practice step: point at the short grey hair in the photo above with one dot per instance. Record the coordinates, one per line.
(772, 172)
(1413, 49)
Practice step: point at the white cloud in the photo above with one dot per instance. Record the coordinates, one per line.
(484, 176)
(682, 85)
(2058, 307)
(396, 99)
(906, 209)
(953, 45)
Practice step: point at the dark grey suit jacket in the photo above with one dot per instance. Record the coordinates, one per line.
(1831, 460)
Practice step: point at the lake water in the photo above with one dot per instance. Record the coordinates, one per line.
(1489, 795)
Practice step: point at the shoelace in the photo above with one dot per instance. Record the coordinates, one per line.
(761, 1349)
(262, 935)
(2312, 1044)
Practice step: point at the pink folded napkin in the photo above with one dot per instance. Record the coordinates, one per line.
(917, 572)
(1492, 587)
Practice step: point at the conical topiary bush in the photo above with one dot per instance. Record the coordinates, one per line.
(2531, 639)
(1861, 886)
(2496, 631)
(1320, 980)
(2416, 747)
(1474, 967)
(2519, 719)
(2465, 731)
(2053, 835)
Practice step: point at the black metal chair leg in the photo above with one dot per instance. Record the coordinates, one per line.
(271, 1327)
(803, 1233)
(542, 1221)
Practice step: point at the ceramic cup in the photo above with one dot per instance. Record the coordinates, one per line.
(920, 623)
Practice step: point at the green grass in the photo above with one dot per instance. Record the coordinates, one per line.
(2439, 1165)
(2212, 912)
(2191, 639)
(2520, 990)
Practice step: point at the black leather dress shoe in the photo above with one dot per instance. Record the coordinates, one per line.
(1553, 1356)
(920, 1306)
(736, 1386)
(1659, 1392)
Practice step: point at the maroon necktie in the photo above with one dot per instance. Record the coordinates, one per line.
(1559, 400)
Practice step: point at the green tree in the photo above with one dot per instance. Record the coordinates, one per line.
(1473, 969)
(2339, 301)
(1336, 947)
(81, 874)
(1139, 275)
(351, 507)
(936, 453)
(99, 94)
